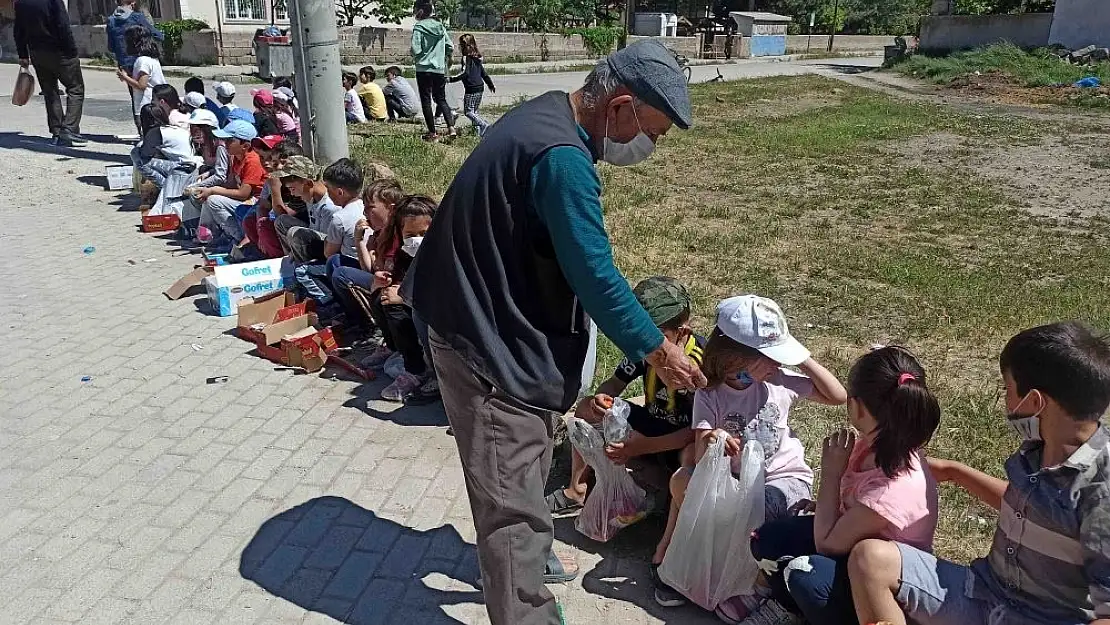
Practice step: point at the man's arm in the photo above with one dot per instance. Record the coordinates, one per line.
(567, 195)
(987, 488)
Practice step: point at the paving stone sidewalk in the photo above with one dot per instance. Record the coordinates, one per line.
(144, 495)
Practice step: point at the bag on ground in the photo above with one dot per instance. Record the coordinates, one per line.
(709, 558)
(24, 87)
(616, 501)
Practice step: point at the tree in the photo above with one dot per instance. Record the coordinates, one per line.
(447, 10)
(391, 11)
(347, 11)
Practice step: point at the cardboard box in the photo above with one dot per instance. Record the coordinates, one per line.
(215, 260)
(161, 223)
(256, 314)
(187, 282)
(297, 342)
(120, 177)
(231, 283)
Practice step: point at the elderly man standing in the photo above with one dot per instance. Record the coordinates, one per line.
(516, 263)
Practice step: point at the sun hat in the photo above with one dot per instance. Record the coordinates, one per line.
(268, 142)
(203, 117)
(224, 90)
(758, 323)
(663, 298)
(263, 97)
(194, 99)
(237, 129)
(284, 94)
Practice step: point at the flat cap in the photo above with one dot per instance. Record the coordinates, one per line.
(651, 72)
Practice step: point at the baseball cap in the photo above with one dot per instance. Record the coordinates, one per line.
(237, 129)
(194, 99)
(299, 166)
(268, 142)
(203, 117)
(263, 97)
(225, 89)
(651, 72)
(284, 93)
(663, 298)
(758, 323)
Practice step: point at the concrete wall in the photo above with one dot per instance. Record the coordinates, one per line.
(957, 32)
(198, 48)
(7, 43)
(848, 44)
(1081, 23)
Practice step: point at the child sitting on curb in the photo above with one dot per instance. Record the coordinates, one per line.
(1050, 560)
(660, 428)
(876, 487)
(749, 396)
(343, 180)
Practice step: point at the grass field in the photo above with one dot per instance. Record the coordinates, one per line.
(800, 189)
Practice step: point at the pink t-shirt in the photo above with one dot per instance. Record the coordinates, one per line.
(759, 412)
(908, 501)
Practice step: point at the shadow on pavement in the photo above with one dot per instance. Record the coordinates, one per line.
(20, 141)
(849, 69)
(368, 400)
(332, 556)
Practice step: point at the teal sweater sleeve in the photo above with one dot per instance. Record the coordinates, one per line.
(566, 193)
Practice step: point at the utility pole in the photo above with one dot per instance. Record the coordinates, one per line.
(315, 39)
(835, 24)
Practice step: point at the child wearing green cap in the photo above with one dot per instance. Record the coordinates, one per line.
(661, 428)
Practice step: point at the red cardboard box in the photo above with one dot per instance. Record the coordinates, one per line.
(297, 342)
(257, 313)
(160, 223)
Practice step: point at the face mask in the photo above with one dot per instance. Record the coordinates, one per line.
(745, 378)
(1027, 428)
(623, 154)
(411, 245)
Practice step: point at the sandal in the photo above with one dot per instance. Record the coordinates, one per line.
(559, 502)
(431, 137)
(556, 571)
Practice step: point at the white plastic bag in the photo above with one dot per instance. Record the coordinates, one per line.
(614, 425)
(709, 558)
(616, 501)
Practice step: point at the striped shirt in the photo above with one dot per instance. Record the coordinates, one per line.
(1050, 560)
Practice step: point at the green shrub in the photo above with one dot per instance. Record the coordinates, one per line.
(173, 31)
(599, 40)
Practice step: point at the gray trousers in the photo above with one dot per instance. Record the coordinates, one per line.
(298, 240)
(218, 215)
(51, 67)
(505, 448)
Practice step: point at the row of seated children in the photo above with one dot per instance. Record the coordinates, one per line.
(364, 100)
(862, 552)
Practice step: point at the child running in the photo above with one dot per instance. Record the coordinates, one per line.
(749, 396)
(1050, 560)
(473, 76)
(876, 486)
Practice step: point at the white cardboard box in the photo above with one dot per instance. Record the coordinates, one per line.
(231, 283)
(120, 177)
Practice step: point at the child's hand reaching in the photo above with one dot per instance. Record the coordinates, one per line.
(382, 279)
(733, 445)
(836, 451)
(621, 453)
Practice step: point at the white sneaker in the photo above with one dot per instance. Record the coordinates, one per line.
(402, 387)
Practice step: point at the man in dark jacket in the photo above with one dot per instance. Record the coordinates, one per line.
(515, 264)
(44, 39)
(124, 16)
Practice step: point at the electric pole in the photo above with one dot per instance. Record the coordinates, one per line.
(315, 39)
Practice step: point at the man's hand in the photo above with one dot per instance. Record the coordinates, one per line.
(836, 451)
(621, 453)
(592, 409)
(24, 63)
(391, 295)
(676, 370)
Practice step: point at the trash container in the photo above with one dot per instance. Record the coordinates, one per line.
(275, 57)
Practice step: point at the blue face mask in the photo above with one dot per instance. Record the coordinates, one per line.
(745, 378)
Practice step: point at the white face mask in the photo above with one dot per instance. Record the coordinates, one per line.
(1027, 428)
(624, 154)
(412, 245)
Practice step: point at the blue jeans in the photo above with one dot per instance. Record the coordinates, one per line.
(801, 580)
(317, 279)
(155, 170)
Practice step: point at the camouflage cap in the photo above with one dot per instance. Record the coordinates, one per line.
(664, 298)
(300, 167)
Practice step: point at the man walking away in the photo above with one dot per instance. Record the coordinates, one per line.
(44, 39)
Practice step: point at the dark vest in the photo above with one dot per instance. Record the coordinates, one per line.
(486, 278)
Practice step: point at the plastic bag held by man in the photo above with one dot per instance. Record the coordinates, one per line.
(710, 559)
(614, 425)
(616, 501)
(24, 87)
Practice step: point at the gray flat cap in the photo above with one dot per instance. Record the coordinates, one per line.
(651, 72)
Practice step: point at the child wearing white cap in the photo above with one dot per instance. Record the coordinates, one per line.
(749, 396)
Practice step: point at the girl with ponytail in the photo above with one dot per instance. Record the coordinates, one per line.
(874, 484)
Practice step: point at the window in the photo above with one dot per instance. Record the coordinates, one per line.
(281, 12)
(244, 10)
